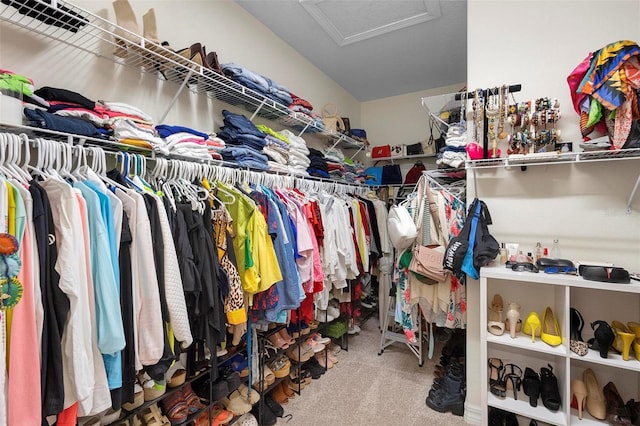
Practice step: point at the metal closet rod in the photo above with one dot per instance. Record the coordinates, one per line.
(486, 92)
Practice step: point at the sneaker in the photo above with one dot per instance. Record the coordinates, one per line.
(368, 302)
(317, 337)
(332, 312)
(354, 329)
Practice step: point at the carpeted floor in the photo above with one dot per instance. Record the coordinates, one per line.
(367, 389)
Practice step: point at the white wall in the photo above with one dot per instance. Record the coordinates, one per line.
(401, 120)
(222, 26)
(538, 44)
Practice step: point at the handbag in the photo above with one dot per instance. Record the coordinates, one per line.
(398, 151)
(459, 245)
(428, 258)
(391, 174)
(486, 247)
(373, 176)
(427, 261)
(383, 151)
(414, 149)
(402, 230)
(414, 173)
(330, 118)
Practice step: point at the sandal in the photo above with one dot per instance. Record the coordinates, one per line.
(549, 389)
(497, 385)
(152, 416)
(191, 399)
(531, 386)
(513, 378)
(176, 408)
(495, 325)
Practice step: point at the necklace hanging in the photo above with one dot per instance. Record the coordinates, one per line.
(503, 109)
(492, 113)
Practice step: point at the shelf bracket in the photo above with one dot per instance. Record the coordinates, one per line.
(632, 196)
(175, 97)
(258, 109)
(357, 152)
(337, 142)
(304, 130)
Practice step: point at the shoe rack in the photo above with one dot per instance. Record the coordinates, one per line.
(534, 292)
(91, 34)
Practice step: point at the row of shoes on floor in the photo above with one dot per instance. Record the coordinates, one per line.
(298, 378)
(154, 55)
(448, 390)
(548, 329)
(509, 378)
(616, 336)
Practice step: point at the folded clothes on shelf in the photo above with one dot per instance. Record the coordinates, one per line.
(45, 120)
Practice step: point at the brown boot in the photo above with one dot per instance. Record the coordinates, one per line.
(278, 394)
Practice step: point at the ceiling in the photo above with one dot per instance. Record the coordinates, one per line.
(374, 48)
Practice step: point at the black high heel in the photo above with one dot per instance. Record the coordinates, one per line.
(577, 324)
(603, 337)
(497, 385)
(549, 389)
(531, 386)
(513, 378)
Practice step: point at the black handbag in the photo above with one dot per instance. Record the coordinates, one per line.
(415, 149)
(458, 245)
(391, 174)
(486, 247)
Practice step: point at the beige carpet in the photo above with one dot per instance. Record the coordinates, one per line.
(367, 389)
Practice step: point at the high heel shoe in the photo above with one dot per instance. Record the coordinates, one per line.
(497, 385)
(624, 339)
(513, 378)
(549, 389)
(531, 386)
(494, 324)
(550, 333)
(513, 316)
(579, 392)
(617, 413)
(635, 327)
(603, 337)
(532, 326)
(595, 403)
(576, 344)
(577, 324)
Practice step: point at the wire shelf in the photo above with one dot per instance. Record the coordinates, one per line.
(73, 26)
(548, 158)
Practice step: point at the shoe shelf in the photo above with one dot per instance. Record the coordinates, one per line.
(523, 408)
(94, 35)
(523, 341)
(535, 291)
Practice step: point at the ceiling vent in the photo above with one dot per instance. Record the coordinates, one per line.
(351, 21)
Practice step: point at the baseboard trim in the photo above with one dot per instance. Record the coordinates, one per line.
(472, 414)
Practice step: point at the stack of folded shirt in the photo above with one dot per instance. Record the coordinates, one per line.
(239, 132)
(317, 164)
(259, 83)
(277, 151)
(184, 141)
(454, 154)
(335, 163)
(130, 132)
(245, 157)
(83, 121)
(298, 153)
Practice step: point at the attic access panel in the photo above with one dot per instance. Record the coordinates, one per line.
(351, 21)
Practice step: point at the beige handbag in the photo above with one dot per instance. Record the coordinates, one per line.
(331, 119)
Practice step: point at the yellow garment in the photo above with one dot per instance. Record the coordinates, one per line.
(11, 229)
(242, 211)
(361, 236)
(264, 254)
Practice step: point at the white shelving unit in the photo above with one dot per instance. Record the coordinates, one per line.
(534, 292)
(95, 35)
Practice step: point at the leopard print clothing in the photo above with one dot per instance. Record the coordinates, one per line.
(221, 225)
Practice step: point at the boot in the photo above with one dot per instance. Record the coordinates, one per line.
(450, 395)
(126, 19)
(153, 61)
(634, 411)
